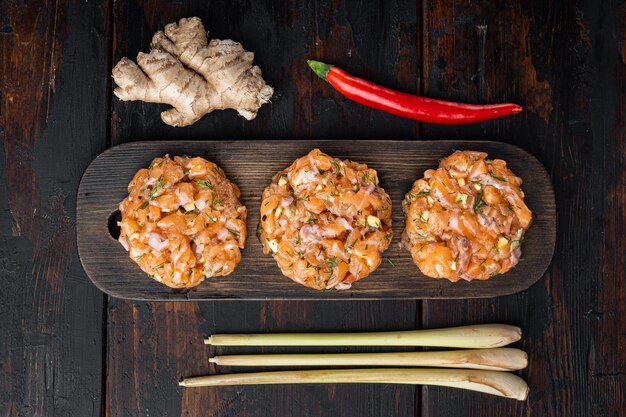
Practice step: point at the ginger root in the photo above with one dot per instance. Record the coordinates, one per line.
(193, 75)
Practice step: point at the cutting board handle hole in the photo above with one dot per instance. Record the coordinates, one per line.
(114, 229)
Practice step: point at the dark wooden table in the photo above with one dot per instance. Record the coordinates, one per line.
(68, 350)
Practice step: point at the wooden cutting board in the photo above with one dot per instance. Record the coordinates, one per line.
(251, 164)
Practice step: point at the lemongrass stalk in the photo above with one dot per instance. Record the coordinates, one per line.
(477, 336)
(503, 384)
(499, 359)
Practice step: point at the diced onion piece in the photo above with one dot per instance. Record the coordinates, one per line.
(373, 221)
(273, 244)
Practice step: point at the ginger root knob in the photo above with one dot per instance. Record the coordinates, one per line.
(193, 75)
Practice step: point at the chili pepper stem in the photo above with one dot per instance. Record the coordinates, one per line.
(321, 69)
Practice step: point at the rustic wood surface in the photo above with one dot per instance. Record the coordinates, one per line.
(252, 164)
(67, 350)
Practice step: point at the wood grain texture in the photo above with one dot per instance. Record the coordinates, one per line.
(252, 164)
(565, 61)
(153, 345)
(561, 60)
(51, 127)
(283, 36)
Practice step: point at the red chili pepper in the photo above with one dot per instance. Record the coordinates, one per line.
(407, 105)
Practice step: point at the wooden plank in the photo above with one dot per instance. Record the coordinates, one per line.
(283, 36)
(253, 163)
(560, 60)
(153, 345)
(53, 89)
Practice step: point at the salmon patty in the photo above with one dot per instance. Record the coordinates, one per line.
(182, 221)
(466, 219)
(325, 221)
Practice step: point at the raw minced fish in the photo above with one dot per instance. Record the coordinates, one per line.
(182, 221)
(466, 219)
(325, 221)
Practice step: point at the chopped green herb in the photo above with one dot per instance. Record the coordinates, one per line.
(216, 201)
(372, 179)
(159, 266)
(389, 260)
(156, 163)
(332, 263)
(332, 275)
(423, 193)
(479, 203)
(153, 192)
(337, 167)
(496, 177)
(204, 184)
(211, 218)
(233, 232)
